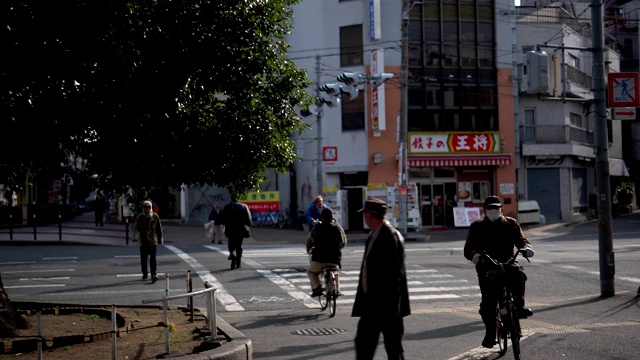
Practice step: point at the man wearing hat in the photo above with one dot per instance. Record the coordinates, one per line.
(382, 298)
(497, 235)
(148, 230)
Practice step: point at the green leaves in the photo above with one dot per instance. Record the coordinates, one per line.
(171, 92)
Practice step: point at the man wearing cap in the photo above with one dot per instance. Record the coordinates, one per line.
(497, 235)
(148, 230)
(382, 298)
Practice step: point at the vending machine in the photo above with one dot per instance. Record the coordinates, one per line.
(413, 207)
(338, 202)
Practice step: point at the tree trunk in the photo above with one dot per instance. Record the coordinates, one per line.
(10, 320)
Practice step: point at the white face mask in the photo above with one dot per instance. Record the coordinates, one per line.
(493, 215)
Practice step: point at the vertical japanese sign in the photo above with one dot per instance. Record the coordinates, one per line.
(378, 120)
(374, 20)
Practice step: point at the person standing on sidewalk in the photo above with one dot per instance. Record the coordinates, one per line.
(99, 205)
(325, 245)
(497, 235)
(237, 220)
(382, 298)
(148, 230)
(218, 223)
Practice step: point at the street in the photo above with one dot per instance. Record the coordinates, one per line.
(267, 299)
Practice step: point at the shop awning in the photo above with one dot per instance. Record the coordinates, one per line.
(617, 167)
(459, 160)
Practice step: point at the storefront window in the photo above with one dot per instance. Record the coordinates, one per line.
(480, 190)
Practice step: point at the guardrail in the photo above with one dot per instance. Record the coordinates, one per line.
(211, 312)
(51, 231)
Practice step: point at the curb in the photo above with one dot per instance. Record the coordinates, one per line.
(238, 348)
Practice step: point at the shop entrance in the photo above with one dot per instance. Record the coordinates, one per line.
(436, 202)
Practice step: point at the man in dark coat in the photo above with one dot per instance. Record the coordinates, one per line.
(325, 243)
(382, 299)
(497, 235)
(236, 216)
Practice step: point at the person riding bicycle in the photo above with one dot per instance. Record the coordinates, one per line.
(314, 212)
(325, 243)
(496, 235)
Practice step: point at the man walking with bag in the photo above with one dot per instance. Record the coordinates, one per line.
(237, 220)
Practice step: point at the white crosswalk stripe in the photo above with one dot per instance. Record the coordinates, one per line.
(296, 283)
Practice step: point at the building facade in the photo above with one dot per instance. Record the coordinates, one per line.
(460, 93)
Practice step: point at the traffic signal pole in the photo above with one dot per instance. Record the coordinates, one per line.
(605, 239)
(404, 98)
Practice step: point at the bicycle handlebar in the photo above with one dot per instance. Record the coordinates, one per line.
(495, 262)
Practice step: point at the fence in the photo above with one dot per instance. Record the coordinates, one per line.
(37, 231)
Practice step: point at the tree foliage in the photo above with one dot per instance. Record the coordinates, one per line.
(151, 92)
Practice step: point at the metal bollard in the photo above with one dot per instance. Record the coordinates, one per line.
(35, 237)
(60, 226)
(11, 227)
(126, 230)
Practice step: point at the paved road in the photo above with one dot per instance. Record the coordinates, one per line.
(267, 298)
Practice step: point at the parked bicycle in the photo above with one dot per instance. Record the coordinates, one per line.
(328, 298)
(507, 320)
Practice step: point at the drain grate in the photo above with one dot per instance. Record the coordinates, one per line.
(318, 332)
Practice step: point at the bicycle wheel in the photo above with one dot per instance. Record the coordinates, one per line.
(501, 335)
(514, 331)
(324, 301)
(332, 303)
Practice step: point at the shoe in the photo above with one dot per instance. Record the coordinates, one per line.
(233, 264)
(231, 257)
(317, 291)
(219, 242)
(524, 313)
(338, 294)
(144, 277)
(488, 342)
(154, 278)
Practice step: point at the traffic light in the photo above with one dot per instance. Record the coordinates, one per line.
(380, 79)
(332, 101)
(351, 78)
(331, 89)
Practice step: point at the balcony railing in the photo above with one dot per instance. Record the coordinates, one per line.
(556, 134)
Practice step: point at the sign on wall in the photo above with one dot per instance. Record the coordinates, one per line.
(454, 143)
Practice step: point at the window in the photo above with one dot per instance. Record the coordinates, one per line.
(529, 125)
(574, 61)
(576, 120)
(353, 112)
(351, 47)
(480, 190)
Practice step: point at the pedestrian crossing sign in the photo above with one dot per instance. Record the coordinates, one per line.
(623, 90)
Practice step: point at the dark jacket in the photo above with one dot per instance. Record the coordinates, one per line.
(387, 293)
(236, 215)
(496, 238)
(149, 229)
(326, 242)
(216, 216)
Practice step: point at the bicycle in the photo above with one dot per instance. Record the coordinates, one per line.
(328, 298)
(507, 319)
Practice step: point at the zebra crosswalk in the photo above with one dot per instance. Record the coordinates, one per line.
(296, 283)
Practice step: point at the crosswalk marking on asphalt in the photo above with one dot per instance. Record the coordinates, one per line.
(228, 302)
(292, 280)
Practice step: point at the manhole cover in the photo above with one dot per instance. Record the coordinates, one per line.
(319, 332)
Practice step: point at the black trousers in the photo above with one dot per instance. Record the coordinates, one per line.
(235, 248)
(99, 218)
(148, 251)
(369, 329)
(489, 289)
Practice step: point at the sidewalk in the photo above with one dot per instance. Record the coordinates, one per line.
(82, 230)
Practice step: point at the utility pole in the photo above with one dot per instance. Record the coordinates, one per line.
(319, 165)
(605, 241)
(404, 96)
